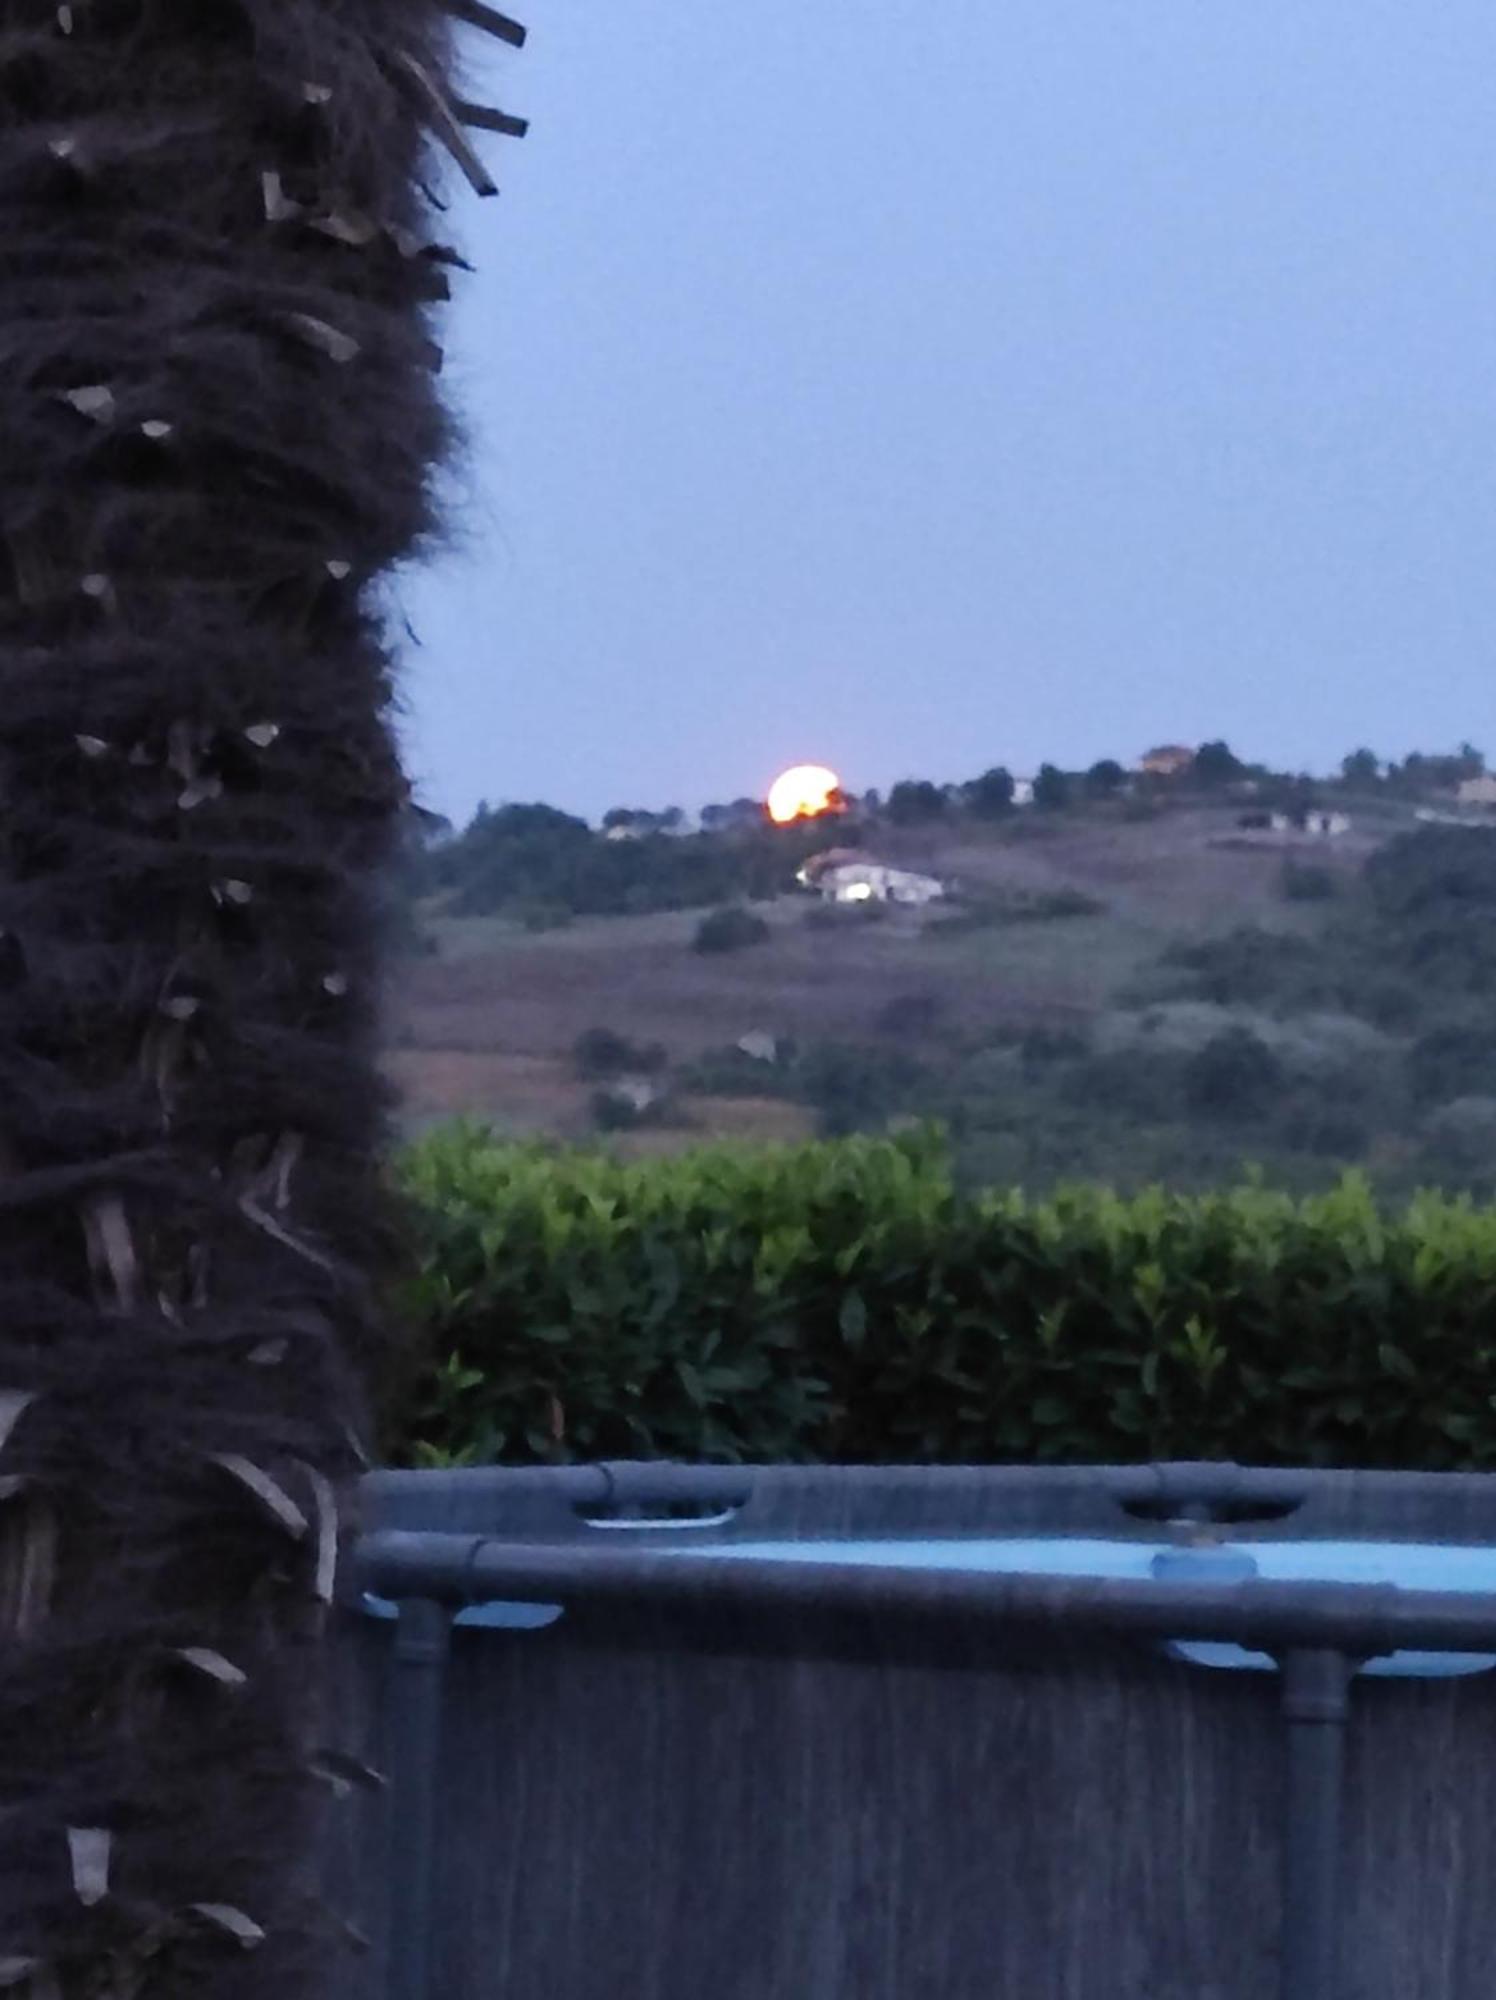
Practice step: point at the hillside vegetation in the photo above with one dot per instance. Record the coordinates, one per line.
(1130, 989)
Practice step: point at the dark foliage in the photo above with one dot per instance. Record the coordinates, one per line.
(732, 1072)
(1420, 775)
(1044, 1045)
(1235, 1077)
(991, 795)
(1435, 893)
(1325, 1119)
(1254, 967)
(856, 1086)
(1438, 870)
(1106, 779)
(730, 929)
(914, 801)
(218, 417)
(910, 1015)
(1140, 1087)
(1457, 1060)
(1052, 788)
(639, 819)
(1217, 764)
(1413, 955)
(524, 857)
(740, 815)
(1361, 768)
(1308, 882)
(599, 1054)
(617, 1111)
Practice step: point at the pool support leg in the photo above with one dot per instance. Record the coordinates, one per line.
(1316, 1703)
(423, 1639)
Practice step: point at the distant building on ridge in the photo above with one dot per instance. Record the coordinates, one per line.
(1169, 760)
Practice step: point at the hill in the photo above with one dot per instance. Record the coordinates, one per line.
(1107, 993)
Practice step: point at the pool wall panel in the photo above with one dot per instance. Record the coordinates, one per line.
(758, 1828)
(683, 1806)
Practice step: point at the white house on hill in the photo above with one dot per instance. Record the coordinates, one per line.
(871, 882)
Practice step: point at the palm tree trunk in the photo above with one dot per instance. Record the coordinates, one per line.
(218, 421)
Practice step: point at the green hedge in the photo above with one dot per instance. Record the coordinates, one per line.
(843, 1301)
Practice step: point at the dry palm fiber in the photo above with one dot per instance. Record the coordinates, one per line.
(218, 423)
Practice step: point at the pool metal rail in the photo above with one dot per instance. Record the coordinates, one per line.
(1317, 1632)
(1176, 1491)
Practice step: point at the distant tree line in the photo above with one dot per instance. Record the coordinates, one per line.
(1418, 775)
(995, 794)
(541, 865)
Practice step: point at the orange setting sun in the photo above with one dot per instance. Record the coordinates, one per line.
(804, 793)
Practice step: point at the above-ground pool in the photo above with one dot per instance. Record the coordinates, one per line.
(819, 1734)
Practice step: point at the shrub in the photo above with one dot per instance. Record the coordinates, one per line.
(1234, 1077)
(599, 1053)
(1393, 1001)
(846, 1302)
(1042, 1046)
(730, 1072)
(1249, 967)
(856, 1087)
(612, 1111)
(1326, 1124)
(1131, 1083)
(1462, 1138)
(910, 1014)
(730, 929)
(1455, 1061)
(1307, 882)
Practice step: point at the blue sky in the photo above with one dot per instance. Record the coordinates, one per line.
(918, 388)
